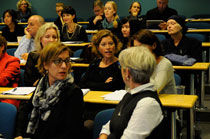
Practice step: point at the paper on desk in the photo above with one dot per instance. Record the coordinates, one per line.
(19, 91)
(85, 91)
(116, 95)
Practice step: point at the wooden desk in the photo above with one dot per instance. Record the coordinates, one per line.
(189, 31)
(167, 100)
(201, 68)
(22, 97)
(198, 20)
(91, 31)
(24, 23)
(82, 65)
(83, 22)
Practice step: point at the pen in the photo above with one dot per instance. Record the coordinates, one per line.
(14, 89)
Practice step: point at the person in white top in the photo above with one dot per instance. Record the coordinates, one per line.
(163, 76)
(139, 114)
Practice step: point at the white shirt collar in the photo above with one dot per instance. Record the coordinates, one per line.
(147, 86)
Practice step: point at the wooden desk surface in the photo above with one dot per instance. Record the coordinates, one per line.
(84, 65)
(22, 97)
(198, 20)
(196, 66)
(205, 44)
(168, 100)
(189, 31)
(24, 23)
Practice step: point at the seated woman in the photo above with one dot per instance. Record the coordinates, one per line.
(139, 114)
(178, 43)
(12, 30)
(95, 21)
(71, 31)
(104, 73)
(9, 70)
(55, 110)
(135, 11)
(163, 76)
(46, 33)
(24, 10)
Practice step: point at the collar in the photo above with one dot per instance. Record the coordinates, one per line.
(144, 87)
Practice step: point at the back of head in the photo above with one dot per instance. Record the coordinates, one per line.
(140, 62)
(41, 32)
(51, 52)
(3, 43)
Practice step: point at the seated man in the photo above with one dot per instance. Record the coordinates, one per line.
(59, 21)
(9, 70)
(161, 12)
(26, 44)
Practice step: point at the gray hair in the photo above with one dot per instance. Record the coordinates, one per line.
(140, 62)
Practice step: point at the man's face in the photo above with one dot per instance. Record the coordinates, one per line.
(162, 4)
(59, 10)
(33, 25)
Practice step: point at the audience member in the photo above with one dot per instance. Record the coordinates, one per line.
(161, 12)
(178, 43)
(55, 110)
(139, 114)
(46, 33)
(95, 21)
(135, 11)
(12, 29)
(59, 21)
(163, 76)
(24, 10)
(9, 70)
(26, 44)
(104, 73)
(72, 31)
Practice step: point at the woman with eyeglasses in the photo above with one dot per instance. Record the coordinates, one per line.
(24, 10)
(55, 110)
(46, 33)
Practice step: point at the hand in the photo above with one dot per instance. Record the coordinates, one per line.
(163, 26)
(19, 137)
(24, 56)
(109, 80)
(35, 83)
(97, 18)
(103, 136)
(28, 35)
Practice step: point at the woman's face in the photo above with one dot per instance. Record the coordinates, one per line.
(107, 47)
(8, 19)
(135, 9)
(109, 10)
(68, 18)
(126, 30)
(98, 10)
(23, 6)
(59, 68)
(173, 27)
(50, 36)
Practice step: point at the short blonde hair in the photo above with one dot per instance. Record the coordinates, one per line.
(140, 62)
(49, 53)
(96, 40)
(114, 5)
(40, 33)
(19, 4)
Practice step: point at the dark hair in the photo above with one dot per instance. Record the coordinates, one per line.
(3, 42)
(132, 5)
(145, 36)
(135, 25)
(13, 13)
(69, 10)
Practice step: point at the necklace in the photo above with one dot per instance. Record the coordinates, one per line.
(71, 28)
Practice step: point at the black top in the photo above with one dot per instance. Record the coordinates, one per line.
(31, 73)
(140, 19)
(24, 17)
(92, 26)
(79, 34)
(187, 46)
(95, 77)
(58, 23)
(154, 14)
(65, 120)
(12, 36)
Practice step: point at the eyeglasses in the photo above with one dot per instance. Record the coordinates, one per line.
(59, 62)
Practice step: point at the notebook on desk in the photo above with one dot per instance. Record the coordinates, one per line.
(72, 42)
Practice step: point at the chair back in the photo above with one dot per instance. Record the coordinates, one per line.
(11, 51)
(177, 79)
(101, 119)
(7, 119)
(200, 37)
(160, 37)
(21, 81)
(198, 25)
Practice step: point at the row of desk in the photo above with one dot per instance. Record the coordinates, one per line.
(168, 100)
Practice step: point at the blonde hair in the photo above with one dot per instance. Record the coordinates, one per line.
(59, 4)
(140, 62)
(40, 33)
(96, 40)
(19, 4)
(114, 5)
(49, 53)
(98, 3)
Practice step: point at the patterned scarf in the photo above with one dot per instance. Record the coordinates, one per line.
(107, 25)
(44, 100)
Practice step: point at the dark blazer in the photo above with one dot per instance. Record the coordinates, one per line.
(12, 36)
(65, 120)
